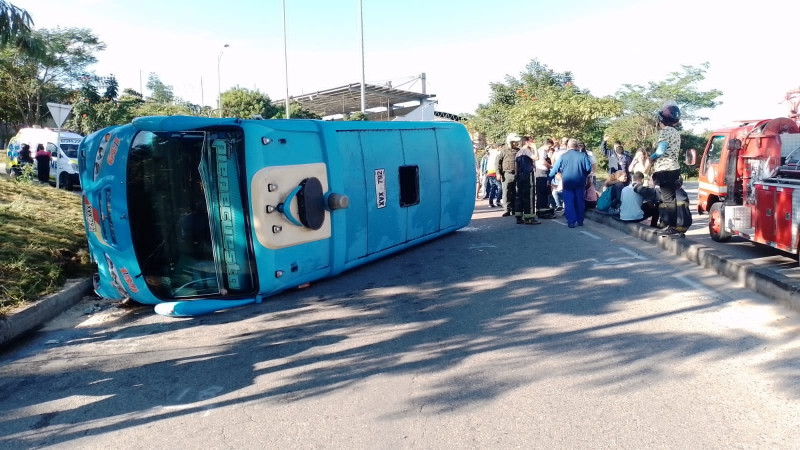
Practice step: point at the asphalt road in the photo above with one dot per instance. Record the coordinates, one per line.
(496, 336)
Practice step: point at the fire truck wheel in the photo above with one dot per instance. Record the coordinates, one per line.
(716, 223)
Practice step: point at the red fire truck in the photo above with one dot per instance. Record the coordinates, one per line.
(750, 181)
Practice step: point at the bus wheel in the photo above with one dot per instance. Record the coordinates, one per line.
(716, 223)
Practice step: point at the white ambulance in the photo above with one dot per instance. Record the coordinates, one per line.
(64, 163)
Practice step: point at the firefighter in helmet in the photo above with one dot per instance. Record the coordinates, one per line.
(506, 169)
(666, 168)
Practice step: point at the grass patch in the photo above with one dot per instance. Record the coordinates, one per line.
(42, 241)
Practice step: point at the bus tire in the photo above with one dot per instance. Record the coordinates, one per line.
(716, 223)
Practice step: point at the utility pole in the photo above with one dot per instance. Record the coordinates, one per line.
(363, 76)
(219, 82)
(285, 61)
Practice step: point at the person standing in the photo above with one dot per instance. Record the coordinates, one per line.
(492, 184)
(42, 164)
(484, 191)
(524, 177)
(666, 168)
(24, 155)
(557, 187)
(618, 158)
(506, 169)
(543, 196)
(574, 167)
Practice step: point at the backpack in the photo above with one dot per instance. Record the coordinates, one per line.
(604, 202)
(590, 193)
(684, 216)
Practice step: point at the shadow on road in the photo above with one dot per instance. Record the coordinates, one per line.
(368, 322)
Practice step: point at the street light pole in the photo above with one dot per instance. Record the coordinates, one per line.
(363, 77)
(219, 82)
(285, 60)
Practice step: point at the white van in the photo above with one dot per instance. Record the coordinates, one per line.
(64, 164)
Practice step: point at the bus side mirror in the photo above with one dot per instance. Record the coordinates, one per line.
(691, 157)
(734, 144)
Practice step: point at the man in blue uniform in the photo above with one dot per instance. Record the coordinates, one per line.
(574, 167)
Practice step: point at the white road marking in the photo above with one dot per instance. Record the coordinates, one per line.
(615, 265)
(695, 285)
(475, 247)
(560, 222)
(593, 236)
(634, 254)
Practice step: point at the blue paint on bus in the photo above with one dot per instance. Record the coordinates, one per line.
(184, 209)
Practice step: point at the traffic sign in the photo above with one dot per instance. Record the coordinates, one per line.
(59, 112)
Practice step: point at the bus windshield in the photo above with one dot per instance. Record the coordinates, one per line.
(187, 214)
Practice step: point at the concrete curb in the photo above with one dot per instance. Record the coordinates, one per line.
(765, 282)
(36, 315)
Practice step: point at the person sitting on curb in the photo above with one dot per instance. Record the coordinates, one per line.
(616, 182)
(651, 201)
(631, 201)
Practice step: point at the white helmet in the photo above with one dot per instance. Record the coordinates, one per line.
(512, 137)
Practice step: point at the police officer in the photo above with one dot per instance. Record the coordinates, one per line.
(506, 169)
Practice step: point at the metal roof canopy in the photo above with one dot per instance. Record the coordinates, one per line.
(347, 99)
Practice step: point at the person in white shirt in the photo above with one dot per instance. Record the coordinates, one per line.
(558, 189)
(641, 163)
(543, 196)
(631, 208)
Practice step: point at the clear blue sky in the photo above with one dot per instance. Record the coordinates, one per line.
(461, 45)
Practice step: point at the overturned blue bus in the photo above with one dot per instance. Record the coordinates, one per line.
(196, 214)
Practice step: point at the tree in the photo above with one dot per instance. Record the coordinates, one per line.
(357, 116)
(92, 112)
(637, 126)
(112, 88)
(542, 102)
(15, 29)
(296, 111)
(34, 80)
(243, 103)
(163, 109)
(129, 101)
(159, 92)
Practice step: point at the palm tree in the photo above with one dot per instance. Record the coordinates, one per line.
(15, 28)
